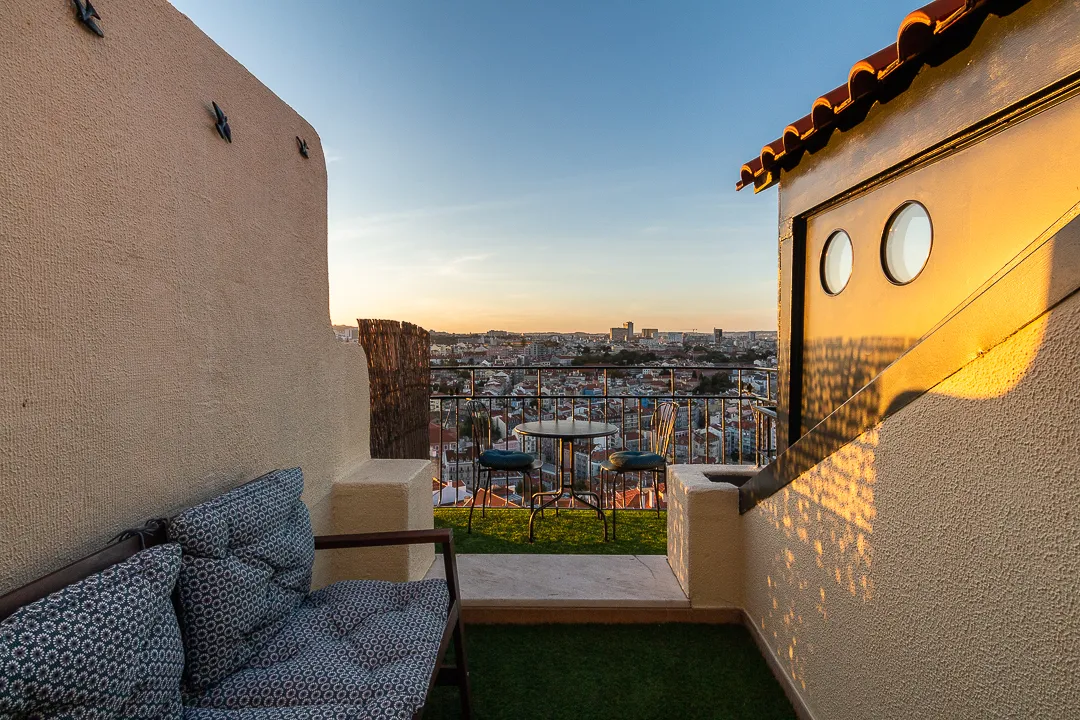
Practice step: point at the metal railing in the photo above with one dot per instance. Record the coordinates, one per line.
(726, 415)
(764, 434)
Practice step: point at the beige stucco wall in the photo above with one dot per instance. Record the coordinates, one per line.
(164, 329)
(381, 496)
(931, 568)
(704, 537)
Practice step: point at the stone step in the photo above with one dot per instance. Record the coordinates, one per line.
(566, 581)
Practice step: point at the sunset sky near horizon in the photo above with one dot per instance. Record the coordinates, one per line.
(553, 164)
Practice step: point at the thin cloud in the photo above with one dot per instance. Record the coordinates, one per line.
(331, 155)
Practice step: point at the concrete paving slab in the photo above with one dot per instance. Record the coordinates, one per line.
(624, 581)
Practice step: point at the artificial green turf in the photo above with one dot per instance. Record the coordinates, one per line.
(621, 672)
(640, 532)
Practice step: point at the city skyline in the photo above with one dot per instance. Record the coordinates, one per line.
(546, 164)
(453, 331)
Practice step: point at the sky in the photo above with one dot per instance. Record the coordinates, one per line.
(560, 165)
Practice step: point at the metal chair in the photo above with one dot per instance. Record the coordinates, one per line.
(662, 432)
(490, 460)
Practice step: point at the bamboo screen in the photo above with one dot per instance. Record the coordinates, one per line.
(399, 373)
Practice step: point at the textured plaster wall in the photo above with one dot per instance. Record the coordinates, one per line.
(931, 568)
(381, 496)
(704, 537)
(164, 330)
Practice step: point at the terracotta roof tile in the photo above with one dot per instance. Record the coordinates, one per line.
(921, 30)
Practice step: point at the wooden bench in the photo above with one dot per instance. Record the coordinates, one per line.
(157, 533)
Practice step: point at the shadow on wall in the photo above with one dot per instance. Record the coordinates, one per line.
(918, 517)
(827, 515)
(837, 368)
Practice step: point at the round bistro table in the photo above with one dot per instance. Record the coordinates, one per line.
(566, 432)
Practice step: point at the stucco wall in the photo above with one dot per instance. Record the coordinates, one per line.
(164, 329)
(930, 568)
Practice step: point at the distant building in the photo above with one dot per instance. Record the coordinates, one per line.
(629, 325)
(649, 333)
(751, 336)
(349, 334)
(537, 351)
(671, 337)
(619, 334)
(718, 335)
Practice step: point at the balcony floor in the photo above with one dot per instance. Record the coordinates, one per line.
(616, 672)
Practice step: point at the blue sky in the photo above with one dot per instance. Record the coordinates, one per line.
(549, 165)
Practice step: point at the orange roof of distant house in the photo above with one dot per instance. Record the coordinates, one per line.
(494, 500)
(938, 26)
(447, 434)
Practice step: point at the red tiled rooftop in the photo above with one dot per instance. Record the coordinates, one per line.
(932, 26)
(434, 438)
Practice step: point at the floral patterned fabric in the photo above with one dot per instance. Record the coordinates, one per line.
(107, 646)
(355, 649)
(246, 568)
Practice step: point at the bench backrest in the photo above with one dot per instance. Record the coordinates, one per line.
(247, 562)
(123, 547)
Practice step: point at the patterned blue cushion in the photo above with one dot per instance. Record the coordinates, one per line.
(633, 460)
(354, 649)
(246, 568)
(506, 460)
(104, 647)
(298, 712)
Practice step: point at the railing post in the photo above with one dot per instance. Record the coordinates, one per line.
(690, 430)
(708, 425)
(757, 438)
(439, 452)
(723, 431)
(457, 450)
(740, 417)
(674, 429)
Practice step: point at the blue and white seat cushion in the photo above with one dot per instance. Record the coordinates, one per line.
(246, 568)
(626, 460)
(355, 649)
(107, 646)
(506, 460)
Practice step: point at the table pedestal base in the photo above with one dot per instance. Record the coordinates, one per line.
(553, 496)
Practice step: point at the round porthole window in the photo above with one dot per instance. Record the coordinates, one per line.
(836, 261)
(905, 248)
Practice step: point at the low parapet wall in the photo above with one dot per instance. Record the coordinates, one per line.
(704, 532)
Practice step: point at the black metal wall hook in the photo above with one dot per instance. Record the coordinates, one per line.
(86, 14)
(222, 124)
(303, 146)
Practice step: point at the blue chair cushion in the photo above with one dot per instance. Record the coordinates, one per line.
(107, 646)
(506, 460)
(246, 568)
(633, 460)
(355, 649)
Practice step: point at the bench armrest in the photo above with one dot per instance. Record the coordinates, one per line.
(437, 536)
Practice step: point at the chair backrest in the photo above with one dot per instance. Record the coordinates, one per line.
(479, 425)
(662, 426)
